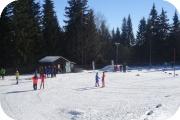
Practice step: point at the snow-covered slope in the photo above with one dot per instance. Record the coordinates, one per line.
(136, 95)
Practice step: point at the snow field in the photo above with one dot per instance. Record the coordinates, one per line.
(149, 96)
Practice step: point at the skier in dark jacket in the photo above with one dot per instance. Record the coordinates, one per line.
(55, 71)
(17, 76)
(97, 80)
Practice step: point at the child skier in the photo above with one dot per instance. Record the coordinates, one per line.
(103, 80)
(97, 80)
(17, 76)
(35, 81)
(42, 77)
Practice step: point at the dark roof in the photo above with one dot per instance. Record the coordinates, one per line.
(51, 59)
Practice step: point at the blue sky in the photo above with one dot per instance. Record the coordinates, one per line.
(115, 10)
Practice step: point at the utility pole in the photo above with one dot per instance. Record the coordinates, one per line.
(117, 45)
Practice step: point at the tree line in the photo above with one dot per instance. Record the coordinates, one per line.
(29, 31)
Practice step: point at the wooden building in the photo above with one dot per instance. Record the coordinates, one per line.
(62, 64)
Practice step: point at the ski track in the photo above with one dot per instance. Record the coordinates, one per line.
(149, 96)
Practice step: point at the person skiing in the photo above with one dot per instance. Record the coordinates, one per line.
(103, 80)
(42, 77)
(35, 81)
(97, 80)
(17, 76)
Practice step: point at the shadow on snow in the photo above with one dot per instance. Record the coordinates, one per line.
(23, 91)
(86, 88)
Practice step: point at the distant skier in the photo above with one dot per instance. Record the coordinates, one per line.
(2, 72)
(17, 76)
(124, 68)
(103, 80)
(52, 71)
(35, 81)
(97, 80)
(42, 77)
(49, 71)
(55, 71)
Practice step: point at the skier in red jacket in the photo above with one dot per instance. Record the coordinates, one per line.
(35, 82)
(42, 77)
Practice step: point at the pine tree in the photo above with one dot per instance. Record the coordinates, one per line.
(104, 32)
(140, 48)
(130, 35)
(163, 25)
(113, 35)
(152, 23)
(7, 49)
(51, 30)
(27, 31)
(124, 36)
(151, 34)
(174, 38)
(118, 36)
(141, 32)
(163, 33)
(91, 42)
(76, 14)
(106, 44)
(175, 29)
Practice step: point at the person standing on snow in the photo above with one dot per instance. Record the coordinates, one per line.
(3, 72)
(42, 77)
(35, 81)
(55, 71)
(103, 80)
(52, 71)
(17, 76)
(97, 80)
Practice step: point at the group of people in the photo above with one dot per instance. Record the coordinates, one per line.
(2, 73)
(49, 71)
(35, 78)
(97, 78)
(120, 68)
(44, 72)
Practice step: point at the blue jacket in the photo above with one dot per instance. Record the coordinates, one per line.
(97, 78)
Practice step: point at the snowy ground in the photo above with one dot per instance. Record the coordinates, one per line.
(153, 95)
